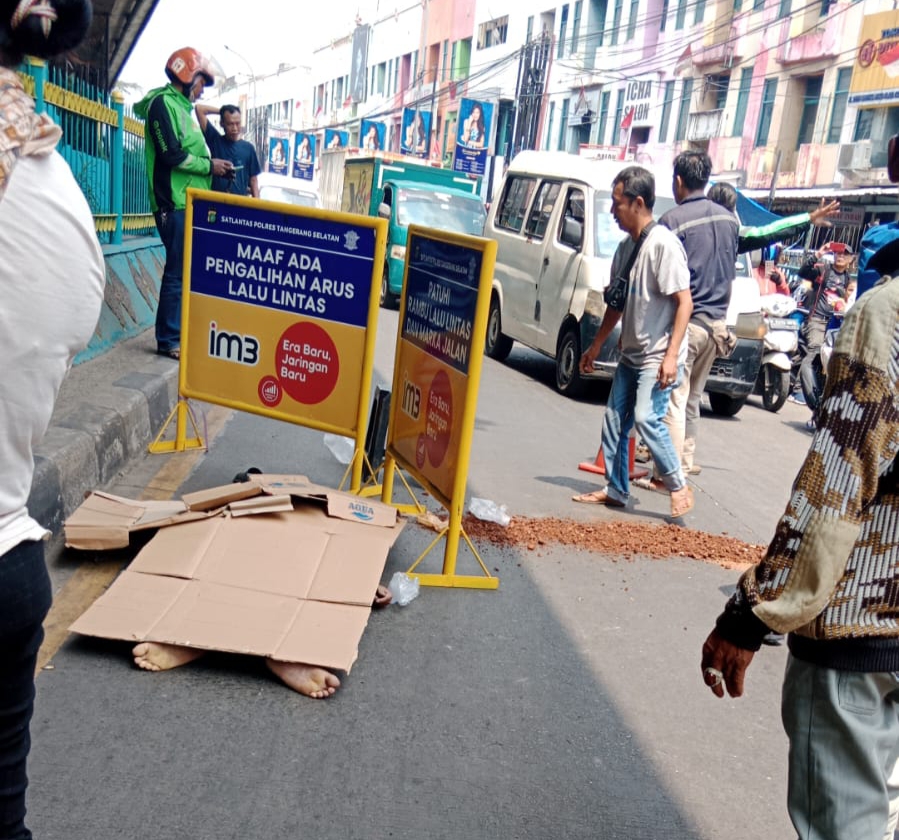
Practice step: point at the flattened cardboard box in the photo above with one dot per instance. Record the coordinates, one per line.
(295, 586)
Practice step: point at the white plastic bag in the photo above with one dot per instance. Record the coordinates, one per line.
(341, 447)
(489, 511)
(403, 588)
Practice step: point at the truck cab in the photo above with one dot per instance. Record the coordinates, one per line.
(403, 190)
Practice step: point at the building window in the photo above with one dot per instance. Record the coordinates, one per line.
(493, 33)
(619, 116)
(769, 92)
(681, 16)
(603, 116)
(576, 27)
(840, 98)
(863, 122)
(699, 12)
(667, 101)
(783, 9)
(664, 16)
(825, 6)
(616, 22)
(549, 125)
(758, 5)
(809, 110)
(563, 123)
(632, 20)
(563, 25)
(742, 102)
(530, 33)
(683, 111)
(738, 5)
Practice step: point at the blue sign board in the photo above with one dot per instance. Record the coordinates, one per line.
(441, 295)
(300, 264)
(415, 131)
(278, 157)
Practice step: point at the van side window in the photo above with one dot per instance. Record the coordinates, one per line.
(515, 200)
(574, 213)
(542, 209)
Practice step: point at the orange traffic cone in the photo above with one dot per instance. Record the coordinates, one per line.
(598, 465)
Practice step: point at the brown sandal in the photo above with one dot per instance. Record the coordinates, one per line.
(174, 353)
(597, 497)
(681, 502)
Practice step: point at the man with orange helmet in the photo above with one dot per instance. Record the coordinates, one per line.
(177, 158)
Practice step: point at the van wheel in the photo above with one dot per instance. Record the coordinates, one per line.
(568, 358)
(496, 345)
(388, 300)
(726, 406)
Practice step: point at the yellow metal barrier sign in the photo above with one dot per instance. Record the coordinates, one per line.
(437, 373)
(280, 310)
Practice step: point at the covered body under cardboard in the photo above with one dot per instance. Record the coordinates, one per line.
(293, 582)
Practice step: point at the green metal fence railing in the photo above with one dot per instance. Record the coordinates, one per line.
(103, 143)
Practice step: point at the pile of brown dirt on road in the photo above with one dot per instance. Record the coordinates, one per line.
(619, 537)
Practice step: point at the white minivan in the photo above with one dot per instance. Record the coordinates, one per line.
(555, 240)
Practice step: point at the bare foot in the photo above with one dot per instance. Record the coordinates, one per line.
(383, 597)
(156, 656)
(307, 679)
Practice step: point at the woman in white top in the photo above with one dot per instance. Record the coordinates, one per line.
(51, 288)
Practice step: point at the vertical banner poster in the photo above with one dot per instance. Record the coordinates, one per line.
(359, 67)
(280, 309)
(438, 358)
(473, 136)
(371, 136)
(304, 156)
(278, 158)
(416, 130)
(335, 139)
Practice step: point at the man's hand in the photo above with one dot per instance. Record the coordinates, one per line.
(820, 216)
(667, 371)
(588, 357)
(724, 664)
(222, 168)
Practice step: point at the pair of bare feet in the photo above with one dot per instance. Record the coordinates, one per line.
(308, 680)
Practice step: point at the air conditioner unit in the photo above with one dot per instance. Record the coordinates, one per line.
(854, 156)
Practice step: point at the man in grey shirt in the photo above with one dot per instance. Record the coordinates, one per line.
(650, 272)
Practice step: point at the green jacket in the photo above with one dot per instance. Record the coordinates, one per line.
(177, 155)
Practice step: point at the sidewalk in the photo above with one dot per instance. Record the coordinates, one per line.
(108, 411)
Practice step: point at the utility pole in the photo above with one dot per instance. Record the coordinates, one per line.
(252, 122)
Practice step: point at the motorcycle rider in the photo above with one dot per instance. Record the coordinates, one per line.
(827, 295)
(177, 158)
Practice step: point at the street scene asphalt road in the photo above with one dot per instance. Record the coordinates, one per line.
(568, 703)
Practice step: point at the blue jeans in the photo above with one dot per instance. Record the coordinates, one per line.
(637, 400)
(170, 224)
(25, 597)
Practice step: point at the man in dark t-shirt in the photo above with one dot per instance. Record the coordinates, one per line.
(229, 146)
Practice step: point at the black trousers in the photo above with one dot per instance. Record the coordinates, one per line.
(25, 598)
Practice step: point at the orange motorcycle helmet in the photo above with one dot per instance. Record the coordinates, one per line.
(186, 64)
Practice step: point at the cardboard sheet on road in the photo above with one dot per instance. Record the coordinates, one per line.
(294, 581)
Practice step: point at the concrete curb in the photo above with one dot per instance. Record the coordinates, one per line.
(108, 411)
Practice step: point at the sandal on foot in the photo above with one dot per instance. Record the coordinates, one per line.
(681, 502)
(174, 353)
(650, 484)
(597, 497)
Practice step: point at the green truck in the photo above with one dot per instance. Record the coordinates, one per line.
(404, 191)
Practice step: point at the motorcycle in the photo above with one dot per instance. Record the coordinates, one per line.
(780, 343)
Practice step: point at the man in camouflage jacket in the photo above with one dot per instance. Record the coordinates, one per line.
(830, 578)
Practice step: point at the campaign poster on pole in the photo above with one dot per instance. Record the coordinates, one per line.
(304, 156)
(473, 136)
(416, 129)
(278, 157)
(335, 139)
(280, 309)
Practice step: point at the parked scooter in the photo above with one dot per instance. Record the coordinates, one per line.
(781, 341)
